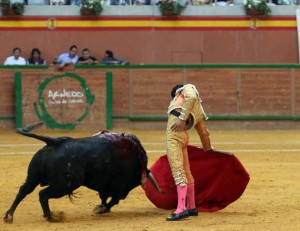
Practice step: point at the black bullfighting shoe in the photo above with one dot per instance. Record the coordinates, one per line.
(178, 216)
(193, 212)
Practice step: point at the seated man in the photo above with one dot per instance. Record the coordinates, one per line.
(141, 2)
(16, 58)
(73, 2)
(110, 59)
(200, 2)
(70, 57)
(57, 2)
(223, 2)
(86, 58)
(119, 2)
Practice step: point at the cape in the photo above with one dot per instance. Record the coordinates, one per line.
(220, 179)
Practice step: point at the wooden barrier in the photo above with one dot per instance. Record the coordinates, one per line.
(138, 96)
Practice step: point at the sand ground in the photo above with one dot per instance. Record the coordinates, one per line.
(270, 202)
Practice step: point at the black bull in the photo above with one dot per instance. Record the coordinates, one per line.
(110, 163)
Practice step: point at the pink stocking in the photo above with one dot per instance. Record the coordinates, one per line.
(181, 193)
(191, 196)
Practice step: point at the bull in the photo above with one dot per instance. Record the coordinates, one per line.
(110, 163)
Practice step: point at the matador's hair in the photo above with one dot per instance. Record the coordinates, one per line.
(173, 92)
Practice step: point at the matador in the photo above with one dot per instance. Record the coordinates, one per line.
(185, 110)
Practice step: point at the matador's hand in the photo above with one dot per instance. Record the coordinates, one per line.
(178, 126)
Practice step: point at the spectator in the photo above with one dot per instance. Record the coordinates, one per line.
(200, 2)
(15, 59)
(223, 2)
(110, 59)
(284, 2)
(119, 2)
(57, 2)
(141, 2)
(67, 58)
(35, 58)
(86, 58)
(73, 2)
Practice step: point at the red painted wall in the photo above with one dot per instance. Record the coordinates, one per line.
(157, 44)
(146, 92)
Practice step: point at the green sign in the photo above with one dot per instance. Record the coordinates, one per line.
(63, 93)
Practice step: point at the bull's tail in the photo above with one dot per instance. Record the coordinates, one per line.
(48, 140)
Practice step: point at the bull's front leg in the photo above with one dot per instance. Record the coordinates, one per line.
(103, 207)
(114, 201)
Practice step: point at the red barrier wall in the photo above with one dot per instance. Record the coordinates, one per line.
(156, 40)
(146, 93)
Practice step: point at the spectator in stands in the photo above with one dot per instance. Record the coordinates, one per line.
(223, 2)
(119, 2)
(73, 2)
(35, 58)
(57, 2)
(86, 58)
(67, 58)
(285, 2)
(141, 2)
(16, 58)
(110, 59)
(200, 2)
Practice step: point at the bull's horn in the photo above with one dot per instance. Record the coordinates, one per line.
(154, 183)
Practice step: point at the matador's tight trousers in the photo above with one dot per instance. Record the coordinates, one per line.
(177, 154)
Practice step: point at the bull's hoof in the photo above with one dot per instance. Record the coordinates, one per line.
(52, 219)
(55, 217)
(8, 218)
(99, 209)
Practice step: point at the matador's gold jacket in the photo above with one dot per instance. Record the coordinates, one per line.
(191, 105)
